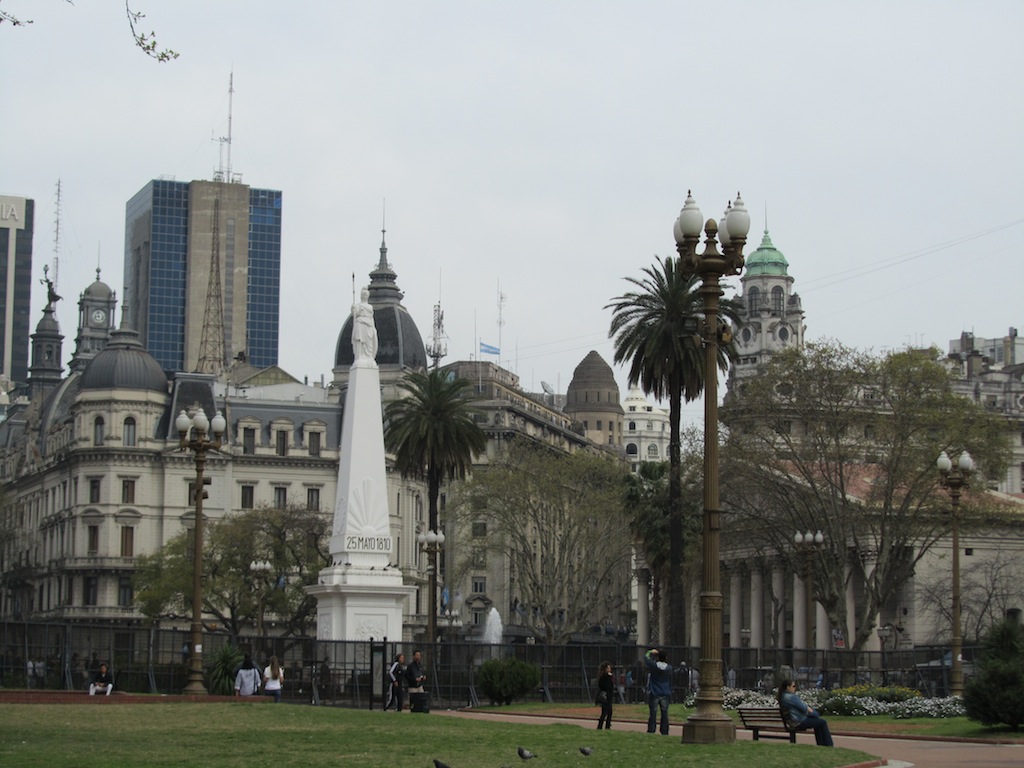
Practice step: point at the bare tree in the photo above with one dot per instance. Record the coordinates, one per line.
(558, 521)
(834, 439)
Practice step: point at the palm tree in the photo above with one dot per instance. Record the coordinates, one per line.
(655, 328)
(432, 433)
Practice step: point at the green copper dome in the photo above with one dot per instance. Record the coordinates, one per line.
(767, 259)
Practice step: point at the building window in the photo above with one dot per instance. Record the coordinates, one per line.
(92, 590)
(69, 590)
(600, 425)
(125, 595)
(479, 558)
(127, 541)
(94, 490)
(479, 529)
(282, 443)
(280, 496)
(632, 426)
(650, 426)
(479, 585)
(127, 491)
(314, 443)
(248, 496)
(652, 451)
(94, 540)
(631, 449)
(313, 498)
(249, 440)
(128, 433)
(479, 617)
(97, 431)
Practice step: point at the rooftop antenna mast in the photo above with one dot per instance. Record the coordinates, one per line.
(501, 318)
(438, 348)
(224, 172)
(211, 346)
(56, 238)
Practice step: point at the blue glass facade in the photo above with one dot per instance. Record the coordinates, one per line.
(263, 303)
(157, 253)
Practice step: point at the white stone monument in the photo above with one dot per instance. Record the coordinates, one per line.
(360, 596)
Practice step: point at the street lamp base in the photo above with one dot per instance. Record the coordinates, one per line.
(195, 686)
(701, 729)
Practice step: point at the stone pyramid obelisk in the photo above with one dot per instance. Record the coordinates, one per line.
(360, 596)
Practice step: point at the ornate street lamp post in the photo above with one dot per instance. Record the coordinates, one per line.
(431, 542)
(806, 545)
(192, 434)
(954, 481)
(710, 724)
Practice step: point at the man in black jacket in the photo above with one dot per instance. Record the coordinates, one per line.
(414, 673)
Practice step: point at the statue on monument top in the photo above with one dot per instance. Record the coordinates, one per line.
(364, 332)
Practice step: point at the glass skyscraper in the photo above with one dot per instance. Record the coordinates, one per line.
(169, 251)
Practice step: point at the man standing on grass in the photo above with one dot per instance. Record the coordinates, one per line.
(659, 689)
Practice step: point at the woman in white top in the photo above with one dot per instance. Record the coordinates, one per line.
(273, 677)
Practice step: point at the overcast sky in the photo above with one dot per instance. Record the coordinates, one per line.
(546, 148)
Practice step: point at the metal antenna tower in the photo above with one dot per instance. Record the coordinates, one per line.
(437, 348)
(56, 239)
(211, 347)
(224, 172)
(501, 318)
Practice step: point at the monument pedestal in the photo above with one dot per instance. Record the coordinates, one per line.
(357, 604)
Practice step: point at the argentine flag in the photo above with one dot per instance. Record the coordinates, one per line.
(487, 349)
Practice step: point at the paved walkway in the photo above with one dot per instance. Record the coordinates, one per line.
(898, 752)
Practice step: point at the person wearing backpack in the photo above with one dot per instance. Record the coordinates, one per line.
(247, 678)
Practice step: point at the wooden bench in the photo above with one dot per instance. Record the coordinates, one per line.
(766, 721)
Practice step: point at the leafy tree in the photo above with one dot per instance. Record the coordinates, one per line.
(834, 439)
(503, 680)
(294, 540)
(559, 522)
(996, 693)
(655, 329)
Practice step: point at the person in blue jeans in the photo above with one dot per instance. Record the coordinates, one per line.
(659, 689)
(800, 716)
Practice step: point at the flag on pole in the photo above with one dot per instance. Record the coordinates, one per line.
(487, 349)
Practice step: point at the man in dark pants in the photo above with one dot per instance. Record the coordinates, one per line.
(659, 689)
(415, 677)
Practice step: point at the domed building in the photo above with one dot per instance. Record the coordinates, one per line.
(592, 400)
(399, 343)
(95, 322)
(646, 434)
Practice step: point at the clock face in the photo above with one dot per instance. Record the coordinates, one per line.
(98, 316)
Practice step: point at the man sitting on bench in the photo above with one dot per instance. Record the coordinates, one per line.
(103, 683)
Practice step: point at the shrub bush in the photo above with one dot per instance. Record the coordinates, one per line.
(503, 680)
(222, 672)
(996, 694)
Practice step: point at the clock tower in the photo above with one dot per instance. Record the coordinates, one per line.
(95, 322)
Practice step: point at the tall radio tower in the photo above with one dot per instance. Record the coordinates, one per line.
(211, 347)
(437, 348)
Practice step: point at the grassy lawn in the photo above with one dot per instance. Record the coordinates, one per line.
(245, 735)
(956, 727)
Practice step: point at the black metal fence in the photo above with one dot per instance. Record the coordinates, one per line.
(353, 673)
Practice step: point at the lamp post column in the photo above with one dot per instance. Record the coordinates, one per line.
(954, 481)
(709, 724)
(198, 426)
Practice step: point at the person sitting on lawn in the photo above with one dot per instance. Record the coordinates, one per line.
(103, 682)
